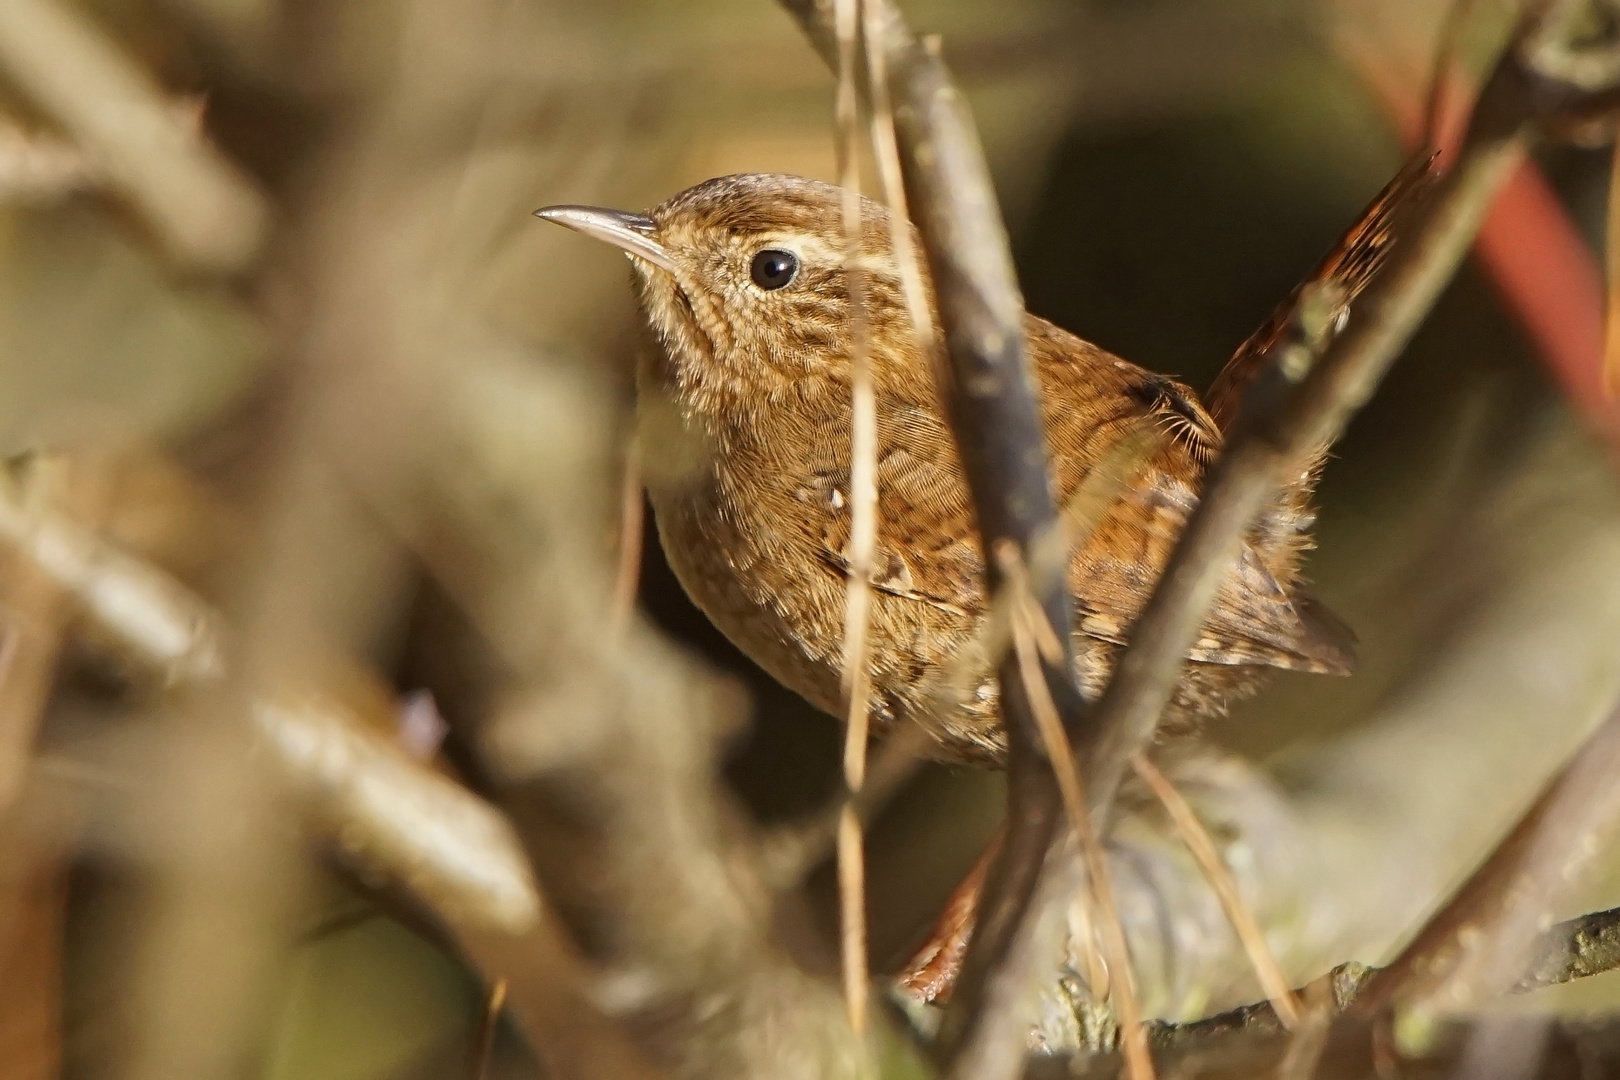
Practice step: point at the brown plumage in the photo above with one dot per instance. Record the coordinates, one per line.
(747, 407)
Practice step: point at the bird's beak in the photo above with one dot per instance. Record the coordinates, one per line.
(628, 232)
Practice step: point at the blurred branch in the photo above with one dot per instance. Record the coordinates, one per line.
(203, 209)
(149, 617)
(389, 813)
(1575, 949)
(34, 165)
(398, 819)
(31, 635)
(1479, 942)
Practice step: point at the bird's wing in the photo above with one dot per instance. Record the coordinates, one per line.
(928, 544)
(927, 539)
(1254, 619)
(1091, 399)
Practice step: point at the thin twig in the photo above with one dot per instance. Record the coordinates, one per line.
(1197, 839)
(1310, 1031)
(1574, 949)
(483, 1044)
(1298, 404)
(792, 851)
(1295, 406)
(1122, 981)
(632, 514)
(863, 526)
(1611, 335)
(886, 149)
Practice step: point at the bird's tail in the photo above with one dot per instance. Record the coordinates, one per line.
(1352, 264)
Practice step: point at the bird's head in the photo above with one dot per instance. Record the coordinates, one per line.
(742, 279)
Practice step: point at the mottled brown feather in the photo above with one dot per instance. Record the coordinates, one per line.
(757, 528)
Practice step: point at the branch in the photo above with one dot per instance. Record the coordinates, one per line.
(1476, 945)
(204, 210)
(1575, 949)
(990, 399)
(398, 820)
(1295, 406)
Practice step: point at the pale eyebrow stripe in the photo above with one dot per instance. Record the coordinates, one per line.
(815, 250)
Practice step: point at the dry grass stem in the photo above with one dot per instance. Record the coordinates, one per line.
(1198, 841)
(1030, 632)
(852, 910)
(886, 149)
(1310, 1030)
(991, 403)
(386, 418)
(793, 851)
(863, 526)
(1050, 555)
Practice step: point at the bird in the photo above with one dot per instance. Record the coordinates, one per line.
(745, 414)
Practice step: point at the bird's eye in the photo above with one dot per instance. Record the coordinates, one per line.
(774, 268)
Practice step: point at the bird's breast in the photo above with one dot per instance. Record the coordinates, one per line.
(742, 545)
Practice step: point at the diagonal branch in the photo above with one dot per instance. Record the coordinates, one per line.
(1299, 404)
(1476, 945)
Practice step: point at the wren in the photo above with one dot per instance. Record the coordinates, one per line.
(742, 281)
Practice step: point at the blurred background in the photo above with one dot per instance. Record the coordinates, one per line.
(275, 320)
